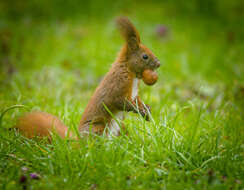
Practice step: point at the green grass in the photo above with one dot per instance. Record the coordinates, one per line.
(195, 139)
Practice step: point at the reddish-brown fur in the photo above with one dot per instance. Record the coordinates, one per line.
(113, 93)
(41, 124)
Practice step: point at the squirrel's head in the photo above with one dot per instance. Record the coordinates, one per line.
(136, 55)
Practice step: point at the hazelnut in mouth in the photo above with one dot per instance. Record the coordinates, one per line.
(149, 77)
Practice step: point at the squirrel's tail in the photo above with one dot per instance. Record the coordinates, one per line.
(41, 124)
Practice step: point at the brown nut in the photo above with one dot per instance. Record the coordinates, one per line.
(149, 77)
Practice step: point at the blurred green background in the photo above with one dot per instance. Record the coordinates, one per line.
(203, 39)
(54, 53)
(70, 45)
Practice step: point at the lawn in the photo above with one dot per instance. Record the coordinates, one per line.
(53, 59)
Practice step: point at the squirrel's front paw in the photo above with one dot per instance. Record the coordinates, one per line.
(148, 108)
(145, 113)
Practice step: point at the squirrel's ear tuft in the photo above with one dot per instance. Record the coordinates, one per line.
(129, 32)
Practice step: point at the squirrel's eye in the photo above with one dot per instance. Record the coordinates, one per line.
(145, 56)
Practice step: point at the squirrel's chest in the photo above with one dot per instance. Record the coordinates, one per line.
(134, 90)
(114, 125)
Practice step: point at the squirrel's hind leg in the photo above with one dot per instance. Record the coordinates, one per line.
(95, 128)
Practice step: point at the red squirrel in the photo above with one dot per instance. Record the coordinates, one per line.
(117, 92)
